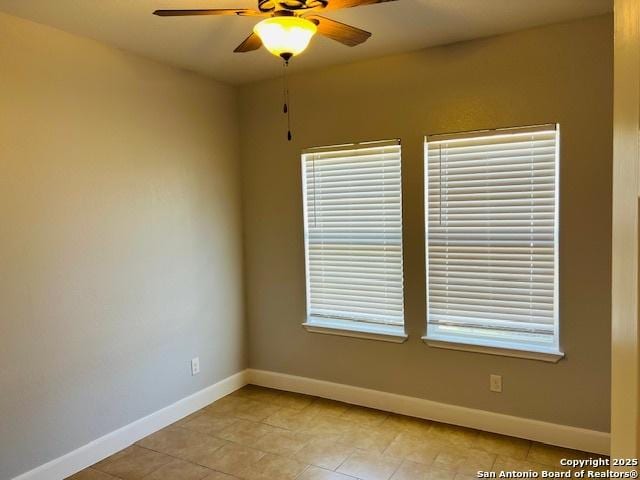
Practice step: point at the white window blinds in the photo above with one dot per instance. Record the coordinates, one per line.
(492, 236)
(353, 233)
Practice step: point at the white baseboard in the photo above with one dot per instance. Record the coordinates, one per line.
(115, 441)
(550, 433)
(87, 455)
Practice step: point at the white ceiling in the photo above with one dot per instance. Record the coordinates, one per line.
(205, 44)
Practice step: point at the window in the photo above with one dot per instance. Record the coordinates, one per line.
(492, 240)
(353, 240)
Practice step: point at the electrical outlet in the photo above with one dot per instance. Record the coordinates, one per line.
(495, 383)
(195, 366)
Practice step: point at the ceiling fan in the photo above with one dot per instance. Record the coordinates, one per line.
(290, 24)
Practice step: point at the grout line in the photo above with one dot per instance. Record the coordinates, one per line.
(95, 470)
(293, 456)
(345, 460)
(183, 459)
(143, 448)
(526, 457)
(493, 464)
(397, 468)
(306, 469)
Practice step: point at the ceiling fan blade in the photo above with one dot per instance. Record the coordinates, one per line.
(340, 32)
(252, 42)
(217, 11)
(336, 4)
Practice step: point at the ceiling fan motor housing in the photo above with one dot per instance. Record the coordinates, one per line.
(271, 5)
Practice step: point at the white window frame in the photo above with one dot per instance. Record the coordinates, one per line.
(343, 326)
(468, 342)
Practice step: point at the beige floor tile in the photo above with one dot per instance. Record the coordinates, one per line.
(208, 422)
(414, 426)
(465, 476)
(323, 406)
(317, 473)
(188, 418)
(257, 393)
(506, 464)
(296, 401)
(422, 450)
(232, 459)
(290, 418)
(132, 463)
(219, 476)
(369, 466)
(416, 471)
(458, 436)
(282, 443)
(516, 448)
(550, 455)
(179, 470)
(91, 474)
(246, 432)
(464, 460)
(256, 411)
(366, 417)
(375, 440)
(182, 443)
(411, 471)
(258, 433)
(271, 467)
(326, 425)
(229, 405)
(325, 453)
(441, 474)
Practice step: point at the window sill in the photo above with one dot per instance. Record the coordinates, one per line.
(453, 343)
(346, 328)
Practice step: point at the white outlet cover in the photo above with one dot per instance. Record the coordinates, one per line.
(195, 366)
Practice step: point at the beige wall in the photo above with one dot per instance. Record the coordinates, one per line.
(120, 245)
(560, 73)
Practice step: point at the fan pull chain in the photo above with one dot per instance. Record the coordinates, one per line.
(286, 108)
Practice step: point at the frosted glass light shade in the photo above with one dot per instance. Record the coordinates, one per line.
(285, 36)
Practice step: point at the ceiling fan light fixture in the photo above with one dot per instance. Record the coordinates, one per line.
(285, 36)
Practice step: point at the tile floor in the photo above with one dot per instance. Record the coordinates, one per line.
(262, 434)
